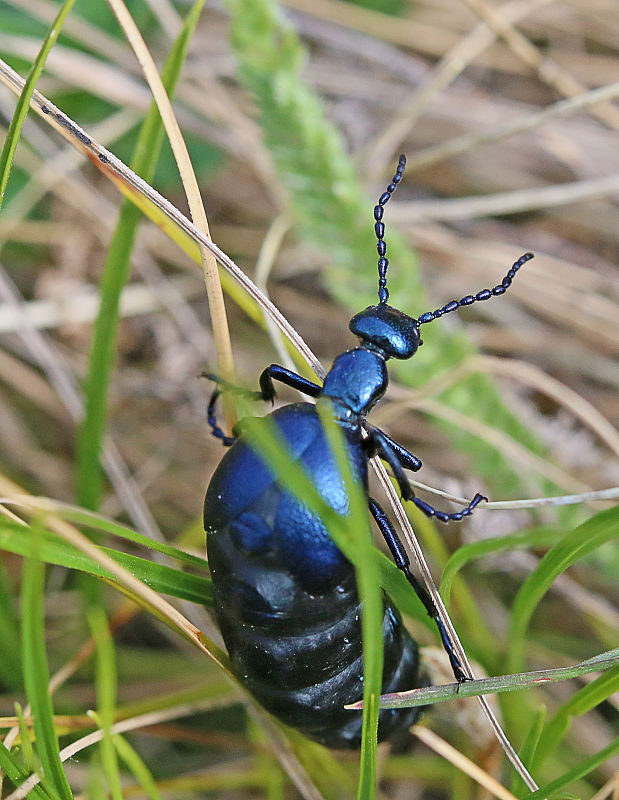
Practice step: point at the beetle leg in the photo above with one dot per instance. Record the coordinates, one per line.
(228, 386)
(211, 417)
(396, 456)
(285, 376)
(443, 516)
(266, 393)
(405, 457)
(402, 562)
(377, 443)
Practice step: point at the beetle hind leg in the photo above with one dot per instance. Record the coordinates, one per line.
(402, 562)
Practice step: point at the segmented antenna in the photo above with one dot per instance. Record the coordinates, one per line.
(485, 294)
(379, 228)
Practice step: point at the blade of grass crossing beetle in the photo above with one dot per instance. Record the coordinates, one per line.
(509, 683)
(267, 441)
(368, 586)
(21, 109)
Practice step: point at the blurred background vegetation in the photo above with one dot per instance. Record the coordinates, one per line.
(294, 117)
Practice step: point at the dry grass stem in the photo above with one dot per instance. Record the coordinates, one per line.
(434, 742)
(188, 177)
(547, 69)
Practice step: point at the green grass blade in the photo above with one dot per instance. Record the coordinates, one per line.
(538, 537)
(265, 438)
(10, 665)
(528, 749)
(30, 763)
(139, 769)
(480, 642)
(114, 278)
(583, 701)
(96, 780)
(21, 109)
(598, 530)
(105, 681)
(14, 771)
(367, 577)
(83, 517)
(54, 550)
(581, 770)
(398, 588)
(36, 672)
(510, 683)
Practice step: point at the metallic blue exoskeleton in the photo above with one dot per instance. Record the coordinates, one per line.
(285, 596)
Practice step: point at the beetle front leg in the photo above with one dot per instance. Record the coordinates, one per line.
(211, 418)
(211, 415)
(288, 378)
(266, 393)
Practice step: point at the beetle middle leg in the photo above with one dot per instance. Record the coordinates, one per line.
(398, 458)
(402, 562)
(404, 456)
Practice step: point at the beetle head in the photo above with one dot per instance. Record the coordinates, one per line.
(383, 328)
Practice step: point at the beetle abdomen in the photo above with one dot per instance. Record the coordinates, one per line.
(293, 631)
(302, 657)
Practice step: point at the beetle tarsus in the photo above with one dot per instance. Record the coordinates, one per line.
(444, 516)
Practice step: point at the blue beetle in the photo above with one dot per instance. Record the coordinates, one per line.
(285, 596)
